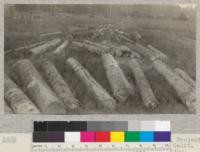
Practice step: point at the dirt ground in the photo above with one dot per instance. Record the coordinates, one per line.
(174, 38)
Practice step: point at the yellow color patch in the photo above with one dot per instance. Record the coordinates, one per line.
(117, 136)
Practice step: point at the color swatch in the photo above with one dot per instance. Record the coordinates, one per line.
(103, 136)
(101, 131)
(116, 136)
(132, 136)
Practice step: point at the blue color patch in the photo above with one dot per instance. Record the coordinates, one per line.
(146, 136)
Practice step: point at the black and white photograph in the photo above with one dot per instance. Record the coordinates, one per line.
(84, 59)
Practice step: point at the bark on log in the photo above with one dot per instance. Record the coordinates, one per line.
(90, 48)
(38, 89)
(50, 34)
(125, 39)
(43, 48)
(143, 85)
(105, 48)
(83, 33)
(158, 54)
(184, 90)
(185, 76)
(59, 85)
(25, 47)
(143, 51)
(118, 51)
(118, 31)
(7, 109)
(97, 91)
(61, 48)
(120, 86)
(19, 102)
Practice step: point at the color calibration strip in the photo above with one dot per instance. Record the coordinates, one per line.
(99, 131)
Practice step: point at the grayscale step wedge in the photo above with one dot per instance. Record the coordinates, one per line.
(143, 85)
(183, 89)
(60, 87)
(37, 88)
(16, 98)
(120, 86)
(95, 89)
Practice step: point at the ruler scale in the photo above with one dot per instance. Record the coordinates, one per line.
(101, 147)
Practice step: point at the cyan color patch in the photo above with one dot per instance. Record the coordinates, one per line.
(146, 136)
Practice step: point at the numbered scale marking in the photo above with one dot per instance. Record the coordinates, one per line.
(101, 147)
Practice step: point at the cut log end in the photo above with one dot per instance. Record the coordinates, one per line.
(121, 95)
(190, 101)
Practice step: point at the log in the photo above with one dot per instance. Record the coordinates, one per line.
(158, 53)
(61, 48)
(83, 33)
(16, 98)
(50, 34)
(7, 109)
(59, 85)
(143, 85)
(37, 88)
(24, 47)
(95, 89)
(90, 48)
(125, 39)
(185, 76)
(140, 49)
(114, 50)
(103, 47)
(120, 86)
(118, 31)
(184, 90)
(44, 47)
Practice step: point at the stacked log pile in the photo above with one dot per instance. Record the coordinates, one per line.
(111, 33)
(51, 94)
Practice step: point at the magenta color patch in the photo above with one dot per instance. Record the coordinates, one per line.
(87, 136)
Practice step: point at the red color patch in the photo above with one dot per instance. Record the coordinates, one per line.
(103, 136)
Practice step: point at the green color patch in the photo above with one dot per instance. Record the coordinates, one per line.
(132, 136)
